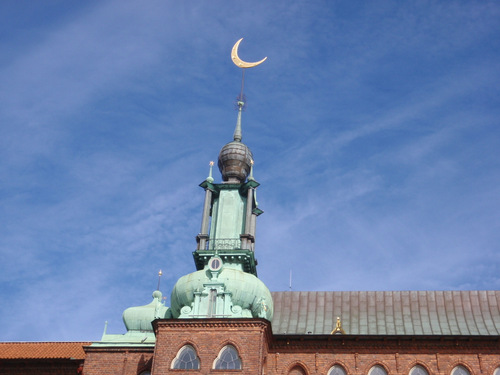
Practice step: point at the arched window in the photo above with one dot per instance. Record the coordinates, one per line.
(145, 373)
(228, 359)
(297, 370)
(460, 370)
(186, 359)
(377, 370)
(337, 370)
(418, 370)
(497, 371)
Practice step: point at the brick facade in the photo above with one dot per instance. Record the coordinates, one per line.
(209, 337)
(117, 360)
(357, 355)
(261, 352)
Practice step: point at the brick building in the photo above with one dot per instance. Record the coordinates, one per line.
(223, 319)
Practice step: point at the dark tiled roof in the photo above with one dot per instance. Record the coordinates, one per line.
(42, 350)
(388, 313)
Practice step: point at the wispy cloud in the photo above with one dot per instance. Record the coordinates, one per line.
(373, 127)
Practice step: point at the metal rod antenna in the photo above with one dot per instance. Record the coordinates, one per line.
(242, 83)
(159, 279)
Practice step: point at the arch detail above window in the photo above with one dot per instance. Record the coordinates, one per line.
(460, 370)
(297, 370)
(337, 370)
(377, 370)
(186, 359)
(228, 359)
(418, 370)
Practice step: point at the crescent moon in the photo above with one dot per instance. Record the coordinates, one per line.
(239, 62)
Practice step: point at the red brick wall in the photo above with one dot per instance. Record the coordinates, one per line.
(208, 337)
(282, 363)
(117, 361)
(39, 367)
(398, 356)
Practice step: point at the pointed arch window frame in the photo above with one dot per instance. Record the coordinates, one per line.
(378, 369)
(298, 367)
(336, 366)
(419, 369)
(179, 361)
(236, 358)
(460, 369)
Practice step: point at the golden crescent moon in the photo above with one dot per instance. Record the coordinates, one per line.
(239, 62)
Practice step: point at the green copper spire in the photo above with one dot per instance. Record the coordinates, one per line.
(225, 283)
(237, 136)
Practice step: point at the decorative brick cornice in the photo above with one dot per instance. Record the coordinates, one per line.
(384, 344)
(215, 323)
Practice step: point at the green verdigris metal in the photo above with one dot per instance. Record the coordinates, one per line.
(232, 294)
(138, 323)
(233, 291)
(226, 239)
(139, 318)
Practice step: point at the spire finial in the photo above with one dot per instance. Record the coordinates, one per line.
(210, 179)
(159, 279)
(237, 131)
(250, 177)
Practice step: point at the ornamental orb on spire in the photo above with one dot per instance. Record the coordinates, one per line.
(235, 160)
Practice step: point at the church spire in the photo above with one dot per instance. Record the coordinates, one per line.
(225, 283)
(229, 213)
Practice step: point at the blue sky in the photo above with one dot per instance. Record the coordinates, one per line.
(374, 127)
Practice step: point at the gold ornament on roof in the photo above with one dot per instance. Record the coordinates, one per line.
(338, 330)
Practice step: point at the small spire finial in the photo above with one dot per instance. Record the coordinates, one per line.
(159, 279)
(105, 329)
(210, 178)
(250, 177)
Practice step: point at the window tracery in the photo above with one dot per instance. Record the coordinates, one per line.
(228, 359)
(186, 359)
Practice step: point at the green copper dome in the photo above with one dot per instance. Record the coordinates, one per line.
(236, 294)
(139, 318)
